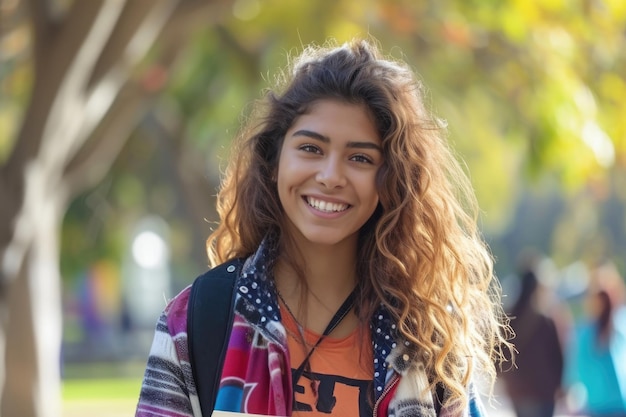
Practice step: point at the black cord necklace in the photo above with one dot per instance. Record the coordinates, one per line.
(341, 313)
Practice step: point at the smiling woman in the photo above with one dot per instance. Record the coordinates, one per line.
(366, 288)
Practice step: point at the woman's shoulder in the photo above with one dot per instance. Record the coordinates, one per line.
(175, 311)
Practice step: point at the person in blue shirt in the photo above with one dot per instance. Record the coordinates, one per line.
(597, 356)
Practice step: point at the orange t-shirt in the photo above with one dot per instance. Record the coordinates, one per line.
(341, 370)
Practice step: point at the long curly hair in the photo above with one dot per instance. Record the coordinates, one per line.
(421, 253)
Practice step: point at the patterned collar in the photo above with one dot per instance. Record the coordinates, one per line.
(257, 303)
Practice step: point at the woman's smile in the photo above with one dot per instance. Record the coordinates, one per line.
(326, 206)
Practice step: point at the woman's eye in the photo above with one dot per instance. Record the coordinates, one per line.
(310, 148)
(362, 158)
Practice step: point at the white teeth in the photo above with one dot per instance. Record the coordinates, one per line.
(326, 206)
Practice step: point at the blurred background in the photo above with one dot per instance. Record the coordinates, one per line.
(115, 120)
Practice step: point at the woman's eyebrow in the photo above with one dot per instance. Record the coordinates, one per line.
(326, 139)
(312, 135)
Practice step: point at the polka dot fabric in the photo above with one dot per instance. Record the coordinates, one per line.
(256, 299)
(383, 330)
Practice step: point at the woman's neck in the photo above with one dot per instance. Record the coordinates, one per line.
(329, 270)
(329, 277)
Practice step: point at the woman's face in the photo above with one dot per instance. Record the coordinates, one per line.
(596, 304)
(326, 175)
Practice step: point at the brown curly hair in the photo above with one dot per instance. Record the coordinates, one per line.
(421, 253)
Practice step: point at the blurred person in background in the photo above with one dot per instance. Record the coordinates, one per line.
(596, 371)
(534, 383)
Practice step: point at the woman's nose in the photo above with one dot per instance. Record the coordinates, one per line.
(331, 173)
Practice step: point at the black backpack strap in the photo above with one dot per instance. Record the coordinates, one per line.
(209, 322)
(439, 397)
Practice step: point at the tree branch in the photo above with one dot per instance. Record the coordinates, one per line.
(135, 31)
(59, 80)
(39, 12)
(85, 169)
(190, 15)
(96, 156)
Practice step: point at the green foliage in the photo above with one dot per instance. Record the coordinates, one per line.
(90, 233)
(532, 92)
(527, 88)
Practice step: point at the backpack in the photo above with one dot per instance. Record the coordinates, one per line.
(209, 321)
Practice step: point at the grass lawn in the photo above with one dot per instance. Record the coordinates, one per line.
(100, 397)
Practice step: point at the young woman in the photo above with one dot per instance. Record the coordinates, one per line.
(349, 208)
(597, 352)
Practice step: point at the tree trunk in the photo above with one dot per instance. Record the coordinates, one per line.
(83, 107)
(34, 329)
